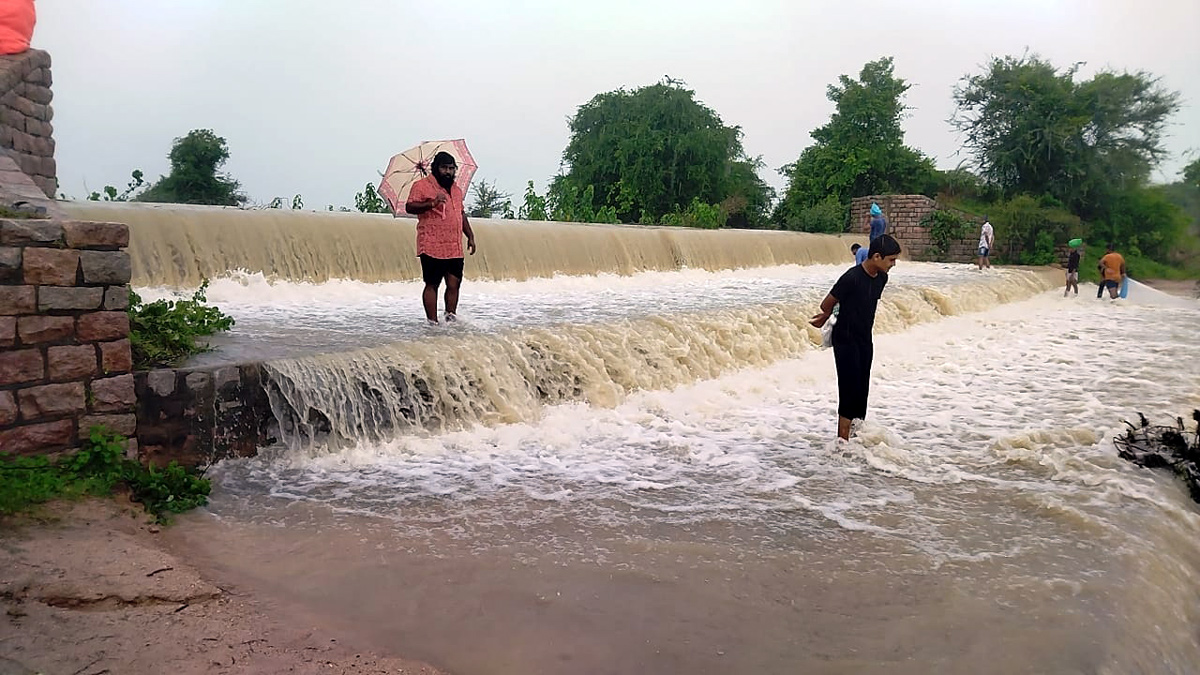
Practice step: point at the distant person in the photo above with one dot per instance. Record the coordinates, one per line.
(860, 253)
(1112, 267)
(441, 223)
(857, 294)
(1072, 272)
(17, 19)
(987, 240)
(876, 222)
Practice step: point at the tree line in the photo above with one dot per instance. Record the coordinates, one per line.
(1048, 155)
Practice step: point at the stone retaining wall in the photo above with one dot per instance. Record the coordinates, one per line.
(26, 132)
(904, 214)
(65, 362)
(197, 416)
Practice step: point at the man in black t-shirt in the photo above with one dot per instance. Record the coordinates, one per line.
(857, 292)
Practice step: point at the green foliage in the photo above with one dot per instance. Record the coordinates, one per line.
(1033, 129)
(1142, 221)
(164, 332)
(489, 201)
(1027, 229)
(369, 201)
(173, 489)
(697, 214)
(534, 206)
(1191, 174)
(648, 151)
(566, 202)
(97, 469)
(110, 193)
(296, 204)
(828, 216)
(945, 227)
(195, 160)
(860, 151)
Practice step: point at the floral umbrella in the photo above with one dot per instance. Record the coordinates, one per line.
(414, 164)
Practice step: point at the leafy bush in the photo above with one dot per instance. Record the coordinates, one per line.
(98, 469)
(944, 228)
(828, 216)
(164, 332)
(698, 214)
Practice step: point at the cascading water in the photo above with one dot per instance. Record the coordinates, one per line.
(631, 469)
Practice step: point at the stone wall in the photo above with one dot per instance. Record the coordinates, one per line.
(904, 214)
(65, 362)
(197, 416)
(26, 132)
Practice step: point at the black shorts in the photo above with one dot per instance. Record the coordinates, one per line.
(433, 270)
(1109, 283)
(853, 361)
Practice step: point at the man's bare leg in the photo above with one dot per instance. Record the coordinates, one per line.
(452, 284)
(843, 428)
(429, 299)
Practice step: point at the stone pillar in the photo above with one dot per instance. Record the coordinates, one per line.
(26, 132)
(65, 362)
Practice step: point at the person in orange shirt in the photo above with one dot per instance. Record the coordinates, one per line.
(17, 19)
(441, 223)
(1113, 271)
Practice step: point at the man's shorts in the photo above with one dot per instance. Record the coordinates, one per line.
(983, 251)
(1072, 277)
(433, 270)
(1109, 283)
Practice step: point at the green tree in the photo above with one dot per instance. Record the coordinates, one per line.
(1032, 128)
(653, 150)
(194, 178)
(488, 201)
(369, 201)
(860, 151)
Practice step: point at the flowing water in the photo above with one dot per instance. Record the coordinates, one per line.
(636, 474)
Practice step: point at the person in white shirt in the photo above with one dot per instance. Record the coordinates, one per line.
(987, 237)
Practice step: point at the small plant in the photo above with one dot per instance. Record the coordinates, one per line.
(945, 227)
(164, 332)
(99, 469)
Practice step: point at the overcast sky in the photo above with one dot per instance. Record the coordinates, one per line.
(314, 96)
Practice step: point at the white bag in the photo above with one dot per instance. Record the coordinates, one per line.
(827, 332)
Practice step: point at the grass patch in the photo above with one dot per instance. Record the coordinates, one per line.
(99, 469)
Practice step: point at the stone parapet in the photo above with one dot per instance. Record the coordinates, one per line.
(65, 361)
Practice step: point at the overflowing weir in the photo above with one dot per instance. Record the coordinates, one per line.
(174, 245)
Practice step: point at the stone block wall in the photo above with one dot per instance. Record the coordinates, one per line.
(26, 132)
(65, 361)
(197, 416)
(904, 214)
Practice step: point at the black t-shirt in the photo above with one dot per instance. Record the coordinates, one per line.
(858, 294)
(1073, 262)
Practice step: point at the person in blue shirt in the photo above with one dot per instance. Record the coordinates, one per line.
(876, 221)
(860, 253)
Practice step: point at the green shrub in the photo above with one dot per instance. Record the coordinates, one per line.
(698, 214)
(98, 469)
(828, 216)
(164, 332)
(945, 227)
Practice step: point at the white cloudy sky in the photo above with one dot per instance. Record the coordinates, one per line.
(313, 96)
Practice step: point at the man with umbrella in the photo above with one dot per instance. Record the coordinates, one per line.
(437, 202)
